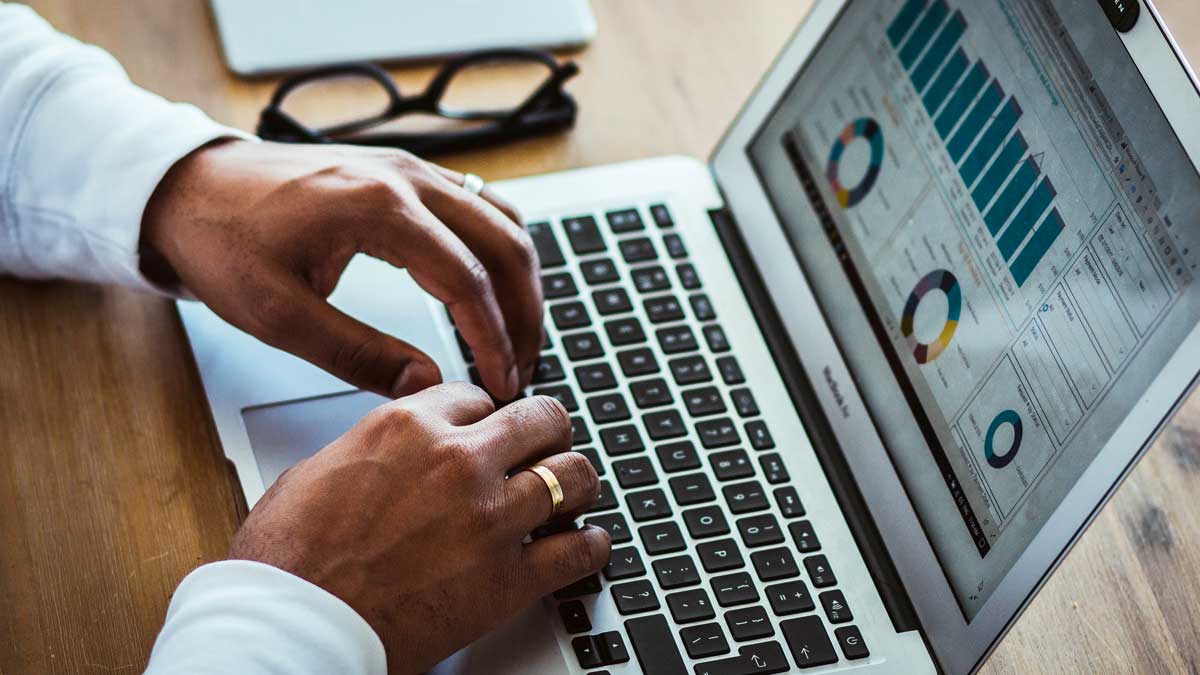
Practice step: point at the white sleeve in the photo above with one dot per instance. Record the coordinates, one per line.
(81, 151)
(244, 617)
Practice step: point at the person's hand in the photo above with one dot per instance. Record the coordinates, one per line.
(410, 519)
(261, 232)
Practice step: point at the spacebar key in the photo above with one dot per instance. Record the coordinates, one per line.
(655, 646)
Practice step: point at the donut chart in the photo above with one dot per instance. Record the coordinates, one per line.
(865, 128)
(989, 451)
(944, 281)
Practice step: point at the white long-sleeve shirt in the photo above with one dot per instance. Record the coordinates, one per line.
(81, 151)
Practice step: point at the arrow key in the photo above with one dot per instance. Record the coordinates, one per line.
(808, 641)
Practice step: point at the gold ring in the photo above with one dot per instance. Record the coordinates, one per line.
(472, 183)
(551, 481)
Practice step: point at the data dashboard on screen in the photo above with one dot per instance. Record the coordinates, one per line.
(1010, 209)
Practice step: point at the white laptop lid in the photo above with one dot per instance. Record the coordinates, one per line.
(265, 36)
(980, 223)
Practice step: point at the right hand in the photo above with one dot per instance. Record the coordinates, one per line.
(416, 516)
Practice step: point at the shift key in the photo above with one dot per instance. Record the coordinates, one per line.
(546, 245)
(655, 646)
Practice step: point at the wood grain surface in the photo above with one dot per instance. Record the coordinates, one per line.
(112, 483)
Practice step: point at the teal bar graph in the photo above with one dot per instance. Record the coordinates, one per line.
(922, 35)
(973, 125)
(1004, 206)
(1014, 150)
(956, 108)
(1003, 123)
(1039, 200)
(938, 51)
(1038, 246)
(936, 95)
(904, 21)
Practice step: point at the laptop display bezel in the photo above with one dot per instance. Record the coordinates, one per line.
(958, 645)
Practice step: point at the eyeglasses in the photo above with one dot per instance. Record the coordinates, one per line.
(547, 109)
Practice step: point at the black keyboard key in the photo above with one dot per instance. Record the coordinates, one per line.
(773, 469)
(611, 301)
(651, 393)
(715, 337)
(579, 432)
(589, 585)
(648, 505)
(676, 572)
(702, 307)
(586, 651)
(614, 524)
(789, 502)
(819, 572)
(763, 658)
(749, 623)
(731, 464)
(687, 276)
(734, 589)
(574, 617)
(662, 308)
(835, 607)
(570, 315)
(639, 361)
(624, 332)
(655, 646)
(743, 402)
(808, 641)
(745, 497)
(637, 250)
(561, 285)
(583, 234)
(804, 536)
(625, 220)
(607, 499)
(721, 555)
(717, 433)
(624, 563)
(561, 392)
(676, 339)
(635, 596)
(595, 377)
(689, 606)
(852, 643)
(675, 247)
(580, 346)
(612, 648)
(760, 437)
(790, 597)
(761, 530)
(689, 370)
(635, 472)
(704, 640)
(650, 279)
(621, 440)
(608, 408)
(664, 424)
(774, 564)
(692, 488)
(703, 401)
(661, 215)
(549, 369)
(546, 245)
(730, 371)
(706, 521)
(659, 538)
(678, 456)
(599, 271)
(593, 458)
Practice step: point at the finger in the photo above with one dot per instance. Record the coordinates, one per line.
(562, 559)
(528, 496)
(459, 403)
(506, 250)
(443, 265)
(487, 194)
(525, 431)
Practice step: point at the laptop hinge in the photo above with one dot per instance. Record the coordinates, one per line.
(804, 398)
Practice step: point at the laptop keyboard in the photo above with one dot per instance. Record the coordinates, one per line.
(715, 568)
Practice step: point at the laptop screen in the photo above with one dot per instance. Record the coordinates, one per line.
(1010, 208)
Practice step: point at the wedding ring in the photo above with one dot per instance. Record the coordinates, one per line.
(472, 183)
(551, 481)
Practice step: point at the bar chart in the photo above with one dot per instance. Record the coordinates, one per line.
(977, 121)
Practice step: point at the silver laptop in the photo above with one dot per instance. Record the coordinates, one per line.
(857, 384)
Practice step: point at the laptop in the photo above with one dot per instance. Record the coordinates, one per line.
(271, 36)
(856, 385)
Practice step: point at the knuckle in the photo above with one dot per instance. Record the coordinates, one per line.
(523, 251)
(394, 416)
(460, 456)
(550, 412)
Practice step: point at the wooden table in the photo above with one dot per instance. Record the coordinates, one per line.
(112, 483)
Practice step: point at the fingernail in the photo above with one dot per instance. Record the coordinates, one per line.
(600, 544)
(416, 376)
